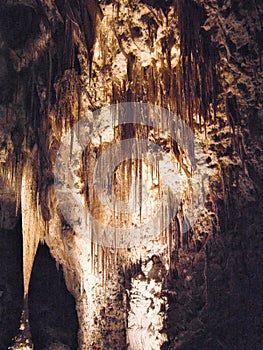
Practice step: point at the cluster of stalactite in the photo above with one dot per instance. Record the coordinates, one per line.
(50, 86)
(190, 89)
(42, 99)
(52, 80)
(198, 86)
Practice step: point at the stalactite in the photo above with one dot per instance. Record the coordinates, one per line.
(32, 223)
(198, 60)
(233, 117)
(90, 12)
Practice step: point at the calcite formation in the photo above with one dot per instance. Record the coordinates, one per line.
(200, 60)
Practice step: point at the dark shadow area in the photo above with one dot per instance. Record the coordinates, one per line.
(52, 313)
(163, 4)
(221, 307)
(11, 284)
(18, 24)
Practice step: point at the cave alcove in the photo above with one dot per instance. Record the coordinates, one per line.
(52, 313)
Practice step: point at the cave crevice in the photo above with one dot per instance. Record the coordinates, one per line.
(52, 313)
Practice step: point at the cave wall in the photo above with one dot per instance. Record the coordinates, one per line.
(202, 60)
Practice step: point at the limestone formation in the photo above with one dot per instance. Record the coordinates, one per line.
(192, 286)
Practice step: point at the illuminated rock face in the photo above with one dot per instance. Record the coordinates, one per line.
(198, 60)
